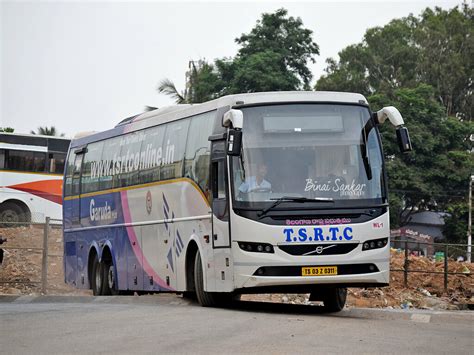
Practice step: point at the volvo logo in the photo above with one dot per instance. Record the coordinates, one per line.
(319, 249)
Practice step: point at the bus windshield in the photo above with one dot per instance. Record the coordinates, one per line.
(308, 151)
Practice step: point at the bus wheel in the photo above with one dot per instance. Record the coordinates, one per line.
(205, 299)
(10, 214)
(97, 277)
(334, 299)
(109, 286)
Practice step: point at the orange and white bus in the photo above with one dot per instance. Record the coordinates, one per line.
(31, 171)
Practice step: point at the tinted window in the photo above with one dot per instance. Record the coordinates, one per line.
(68, 175)
(76, 176)
(198, 149)
(110, 163)
(56, 162)
(153, 151)
(2, 158)
(173, 149)
(93, 167)
(25, 161)
(130, 155)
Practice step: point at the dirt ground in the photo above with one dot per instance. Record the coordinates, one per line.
(24, 265)
(424, 291)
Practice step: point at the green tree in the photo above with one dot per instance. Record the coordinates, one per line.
(202, 84)
(47, 131)
(167, 87)
(446, 39)
(7, 129)
(436, 173)
(274, 56)
(455, 224)
(279, 49)
(383, 62)
(436, 48)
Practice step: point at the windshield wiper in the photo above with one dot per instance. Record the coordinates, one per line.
(292, 199)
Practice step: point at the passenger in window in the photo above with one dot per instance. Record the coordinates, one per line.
(257, 183)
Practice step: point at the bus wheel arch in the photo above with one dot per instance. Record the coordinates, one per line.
(14, 211)
(207, 299)
(90, 264)
(191, 253)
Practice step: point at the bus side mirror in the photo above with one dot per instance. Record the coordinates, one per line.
(234, 141)
(403, 139)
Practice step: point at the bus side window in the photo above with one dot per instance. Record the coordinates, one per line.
(218, 178)
(93, 168)
(69, 173)
(174, 145)
(110, 162)
(56, 162)
(198, 150)
(76, 176)
(26, 161)
(219, 190)
(2, 158)
(131, 144)
(150, 168)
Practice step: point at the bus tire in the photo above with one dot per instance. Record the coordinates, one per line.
(11, 214)
(205, 299)
(97, 277)
(109, 279)
(334, 299)
(190, 295)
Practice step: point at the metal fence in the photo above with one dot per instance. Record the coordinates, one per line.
(34, 248)
(438, 252)
(25, 243)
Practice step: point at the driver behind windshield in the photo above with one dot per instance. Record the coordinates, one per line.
(256, 183)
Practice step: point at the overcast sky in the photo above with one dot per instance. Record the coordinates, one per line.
(86, 66)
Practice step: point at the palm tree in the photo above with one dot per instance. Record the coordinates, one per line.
(202, 84)
(47, 131)
(167, 87)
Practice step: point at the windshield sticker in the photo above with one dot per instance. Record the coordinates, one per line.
(317, 234)
(351, 190)
(317, 221)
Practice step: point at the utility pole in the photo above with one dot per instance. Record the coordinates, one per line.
(469, 222)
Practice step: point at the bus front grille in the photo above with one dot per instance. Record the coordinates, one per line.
(318, 249)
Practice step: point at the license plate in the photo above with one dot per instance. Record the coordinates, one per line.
(319, 271)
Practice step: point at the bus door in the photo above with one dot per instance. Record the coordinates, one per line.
(76, 188)
(220, 218)
(78, 260)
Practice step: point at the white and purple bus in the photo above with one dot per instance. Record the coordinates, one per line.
(249, 193)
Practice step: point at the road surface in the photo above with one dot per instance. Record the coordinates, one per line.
(163, 324)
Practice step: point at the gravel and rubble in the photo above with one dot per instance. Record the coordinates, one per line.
(24, 265)
(424, 291)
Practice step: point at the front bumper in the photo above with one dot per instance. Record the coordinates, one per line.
(358, 268)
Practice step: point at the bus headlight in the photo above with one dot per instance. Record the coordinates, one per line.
(374, 244)
(256, 247)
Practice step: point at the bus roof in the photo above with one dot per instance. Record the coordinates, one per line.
(172, 113)
(51, 143)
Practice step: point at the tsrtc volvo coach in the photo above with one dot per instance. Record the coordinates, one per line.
(31, 177)
(249, 193)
